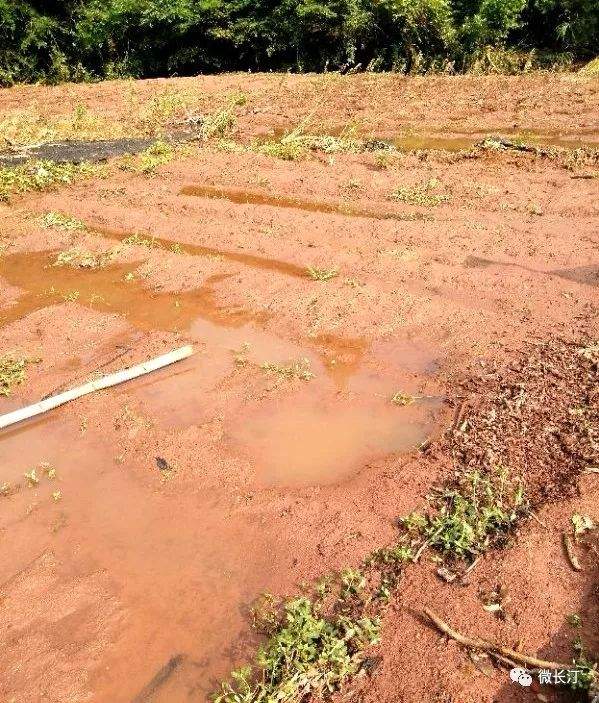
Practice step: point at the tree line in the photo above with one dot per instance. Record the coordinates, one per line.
(56, 40)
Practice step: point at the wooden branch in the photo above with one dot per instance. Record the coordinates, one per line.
(572, 558)
(491, 647)
(99, 384)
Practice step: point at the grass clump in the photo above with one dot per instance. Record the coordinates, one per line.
(160, 110)
(402, 399)
(222, 122)
(30, 127)
(138, 240)
(306, 654)
(12, 373)
(322, 274)
(421, 194)
(478, 512)
(80, 258)
(298, 369)
(591, 68)
(57, 220)
(290, 147)
(588, 672)
(41, 175)
(147, 161)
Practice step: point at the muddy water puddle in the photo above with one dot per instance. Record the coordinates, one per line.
(159, 575)
(303, 442)
(165, 574)
(454, 140)
(250, 197)
(230, 342)
(464, 142)
(113, 289)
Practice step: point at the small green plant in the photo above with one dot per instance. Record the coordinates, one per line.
(352, 582)
(421, 194)
(80, 258)
(138, 240)
(403, 399)
(147, 161)
(12, 373)
(57, 220)
(32, 478)
(582, 524)
(159, 111)
(574, 620)
(306, 655)
(588, 674)
(321, 274)
(479, 511)
(298, 369)
(220, 123)
(288, 148)
(395, 555)
(41, 175)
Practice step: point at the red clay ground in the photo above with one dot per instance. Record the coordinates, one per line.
(272, 481)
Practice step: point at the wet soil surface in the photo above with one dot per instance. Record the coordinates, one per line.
(275, 454)
(76, 151)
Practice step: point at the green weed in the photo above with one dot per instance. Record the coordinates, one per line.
(288, 148)
(478, 512)
(421, 194)
(56, 220)
(41, 175)
(588, 673)
(322, 274)
(298, 369)
(12, 372)
(574, 620)
(353, 582)
(79, 258)
(147, 161)
(403, 399)
(220, 123)
(306, 655)
(159, 110)
(29, 127)
(138, 240)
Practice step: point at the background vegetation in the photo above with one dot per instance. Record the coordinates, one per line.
(55, 40)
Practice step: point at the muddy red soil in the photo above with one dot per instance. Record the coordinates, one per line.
(275, 454)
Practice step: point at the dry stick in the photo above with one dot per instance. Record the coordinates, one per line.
(491, 647)
(572, 558)
(99, 384)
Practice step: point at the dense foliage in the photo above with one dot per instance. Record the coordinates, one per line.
(57, 40)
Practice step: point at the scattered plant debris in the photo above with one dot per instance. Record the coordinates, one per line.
(80, 258)
(57, 220)
(403, 399)
(41, 175)
(421, 194)
(12, 372)
(298, 369)
(321, 274)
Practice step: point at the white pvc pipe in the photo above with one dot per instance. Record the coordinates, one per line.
(105, 382)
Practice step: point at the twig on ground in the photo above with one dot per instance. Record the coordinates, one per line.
(538, 519)
(572, 558)
(497, 650)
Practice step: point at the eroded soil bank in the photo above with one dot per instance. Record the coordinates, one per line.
(313, 298)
